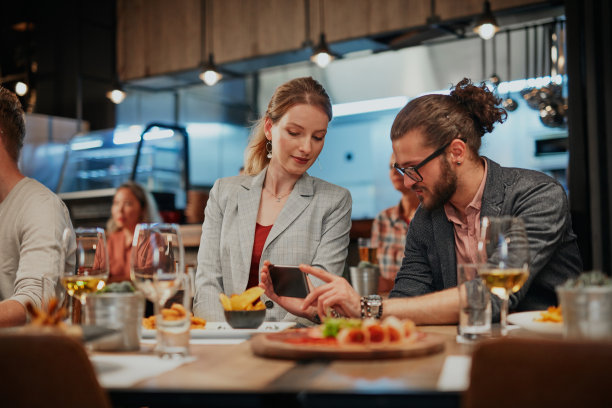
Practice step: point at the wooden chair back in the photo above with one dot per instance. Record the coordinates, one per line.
(541, 373)
(47, 370)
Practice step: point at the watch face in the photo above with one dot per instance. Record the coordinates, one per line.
(374, 300)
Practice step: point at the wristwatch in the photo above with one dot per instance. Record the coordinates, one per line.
(371, 306)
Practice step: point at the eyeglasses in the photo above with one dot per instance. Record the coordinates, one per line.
(413, 172)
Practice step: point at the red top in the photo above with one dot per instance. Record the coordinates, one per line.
(118, 256)
(261, 234)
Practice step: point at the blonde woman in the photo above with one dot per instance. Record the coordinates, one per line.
(276, 212)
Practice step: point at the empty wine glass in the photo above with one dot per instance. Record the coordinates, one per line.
(87, 259)
(157, 267)
(503, 250)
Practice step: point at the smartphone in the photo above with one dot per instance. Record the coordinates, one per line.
(289, 281)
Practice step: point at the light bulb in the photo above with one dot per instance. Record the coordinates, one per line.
(21, 88)
(210, 77)
(486, 31)
(116, 96)
(322, 59)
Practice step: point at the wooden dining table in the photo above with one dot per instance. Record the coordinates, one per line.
(228, 375)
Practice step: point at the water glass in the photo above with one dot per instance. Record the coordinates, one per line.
(173, 322)
(474, 304)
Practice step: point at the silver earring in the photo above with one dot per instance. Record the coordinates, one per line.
(458, 163)
(269, 149)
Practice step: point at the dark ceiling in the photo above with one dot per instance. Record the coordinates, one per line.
(65, 51)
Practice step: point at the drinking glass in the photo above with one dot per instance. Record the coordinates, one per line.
(87, 260)
(474, 304)
(367, 253)
(503, 250)
(157, 268)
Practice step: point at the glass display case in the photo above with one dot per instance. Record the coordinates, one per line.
(97, 162)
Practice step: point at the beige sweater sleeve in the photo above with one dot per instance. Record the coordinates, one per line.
(33, 220)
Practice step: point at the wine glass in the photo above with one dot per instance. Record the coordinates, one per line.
(503, 250)
(86, 268)
(157, 267)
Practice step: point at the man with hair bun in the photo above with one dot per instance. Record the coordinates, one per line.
(436, 139)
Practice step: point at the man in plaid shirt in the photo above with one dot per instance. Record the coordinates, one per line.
(389, 231)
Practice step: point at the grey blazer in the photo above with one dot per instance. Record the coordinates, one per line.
(312, 228)
(430, 262)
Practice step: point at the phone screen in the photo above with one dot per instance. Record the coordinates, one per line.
(289, 281)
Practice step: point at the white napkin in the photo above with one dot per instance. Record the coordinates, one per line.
(455, 375)
(121, 370)
(201, 341)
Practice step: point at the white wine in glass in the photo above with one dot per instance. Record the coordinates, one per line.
(89, 261)
(503, 249)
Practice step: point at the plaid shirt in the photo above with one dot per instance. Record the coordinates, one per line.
(389, 236)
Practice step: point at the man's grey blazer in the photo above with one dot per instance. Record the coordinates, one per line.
(430, 262)
(312, 228)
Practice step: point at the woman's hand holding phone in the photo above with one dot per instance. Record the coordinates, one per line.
(292, 304)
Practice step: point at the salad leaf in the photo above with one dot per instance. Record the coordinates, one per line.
(118, 287)
(333, 325)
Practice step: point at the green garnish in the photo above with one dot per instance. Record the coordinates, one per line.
(332, 325)
(118, 287)
(595, 278)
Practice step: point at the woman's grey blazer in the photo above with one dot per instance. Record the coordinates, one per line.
(312, 228)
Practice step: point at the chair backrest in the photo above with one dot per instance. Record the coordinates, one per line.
(540, 373)
(47, 370)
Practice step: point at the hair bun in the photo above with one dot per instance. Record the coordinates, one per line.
(480, 103)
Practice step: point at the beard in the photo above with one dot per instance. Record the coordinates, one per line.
(443, 190)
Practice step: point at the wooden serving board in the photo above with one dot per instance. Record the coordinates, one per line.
(273, 345)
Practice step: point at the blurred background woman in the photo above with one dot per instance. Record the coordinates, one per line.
(276, 211)
(132, 204)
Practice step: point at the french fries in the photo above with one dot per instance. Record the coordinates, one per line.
(553, 314)
(175, 312)
(244, 301)
(53, 316)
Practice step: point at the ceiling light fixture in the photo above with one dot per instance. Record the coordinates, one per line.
(21, 88)
(210, 74)
(486, 25)
(321, 54)
(116, 96)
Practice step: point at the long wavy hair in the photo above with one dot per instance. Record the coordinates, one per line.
(147, 203)
(297, 91)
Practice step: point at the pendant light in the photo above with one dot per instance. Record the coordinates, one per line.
(21, 88)
(486, 25)
(210, 74)
(116, 96)
(321, 54)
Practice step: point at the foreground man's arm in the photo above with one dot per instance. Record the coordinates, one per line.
(434, 308)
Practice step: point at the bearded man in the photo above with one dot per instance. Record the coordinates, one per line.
(435, 140)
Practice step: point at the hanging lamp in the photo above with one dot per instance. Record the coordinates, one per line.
(321, 54)
(210, 74)
(486, 25)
